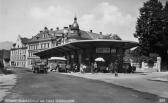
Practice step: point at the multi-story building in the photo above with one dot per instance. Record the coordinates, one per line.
(45, 39)
(49, 38)
(19, 53)
(22, 53)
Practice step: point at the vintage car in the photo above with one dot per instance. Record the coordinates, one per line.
(40, 67)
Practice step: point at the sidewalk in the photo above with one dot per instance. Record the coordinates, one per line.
(6, 83)
(144, 82)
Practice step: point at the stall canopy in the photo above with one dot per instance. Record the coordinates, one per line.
(99, 59)
(83, 45)
(57, 58)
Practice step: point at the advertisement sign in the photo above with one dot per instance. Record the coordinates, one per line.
(102, 50)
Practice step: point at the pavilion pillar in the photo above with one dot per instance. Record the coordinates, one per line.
(71, 61)
(120, 56)
(67, 56)
(80, 57)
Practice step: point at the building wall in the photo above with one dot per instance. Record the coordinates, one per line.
(42, 41)
(18, 57)
(36, 47)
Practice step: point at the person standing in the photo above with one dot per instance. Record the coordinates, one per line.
(92, 68)
(67, 68)
(116, 68)
(111, 67)
(95, 66)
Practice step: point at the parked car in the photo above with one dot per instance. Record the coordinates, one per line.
(40, 67)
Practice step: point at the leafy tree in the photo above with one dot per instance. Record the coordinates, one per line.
(165, 24)
(151, 29)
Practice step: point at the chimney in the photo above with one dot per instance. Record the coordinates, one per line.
(57, 28)
(91, 31)
(45, 28)
(100, 33)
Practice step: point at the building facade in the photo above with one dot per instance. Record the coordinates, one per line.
(45, 39)
(19, 52)
(49, 38)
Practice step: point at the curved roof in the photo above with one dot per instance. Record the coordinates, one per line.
(85, 44)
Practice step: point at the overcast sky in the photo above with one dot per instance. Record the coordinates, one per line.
(28, 17)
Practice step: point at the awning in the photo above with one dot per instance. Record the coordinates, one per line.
(83, 45)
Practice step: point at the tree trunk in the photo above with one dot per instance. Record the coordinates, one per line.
(164, 64)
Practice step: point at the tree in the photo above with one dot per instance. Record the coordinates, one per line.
(151, 29)
(165, 24)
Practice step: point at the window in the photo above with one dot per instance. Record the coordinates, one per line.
(41, 46)
(48, 45)
(36, 46)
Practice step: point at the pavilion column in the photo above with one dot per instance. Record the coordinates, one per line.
(68, 57)
(71, 55)
(120, 56)
(80, 57)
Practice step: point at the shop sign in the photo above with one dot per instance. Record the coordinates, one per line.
(102, 50)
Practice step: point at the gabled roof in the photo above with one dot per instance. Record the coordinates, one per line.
(39, 36)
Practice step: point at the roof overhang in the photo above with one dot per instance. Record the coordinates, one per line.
(85, 44)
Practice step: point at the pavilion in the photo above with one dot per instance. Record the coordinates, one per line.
(85, 51)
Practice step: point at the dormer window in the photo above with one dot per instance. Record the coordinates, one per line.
(37, 37)
(44, 36)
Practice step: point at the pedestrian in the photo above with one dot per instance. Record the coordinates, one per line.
(81, 68)
(95, 66)
(92, 67)
(58, 67)
(111, 67)
(116, 68)
(67, 68)
(75, 68)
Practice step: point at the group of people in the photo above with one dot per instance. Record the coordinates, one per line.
(54, 67)
(93, 68)
(63, 67)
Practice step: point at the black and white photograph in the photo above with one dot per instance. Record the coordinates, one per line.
(83, 51)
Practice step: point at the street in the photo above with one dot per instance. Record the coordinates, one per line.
(55, 86)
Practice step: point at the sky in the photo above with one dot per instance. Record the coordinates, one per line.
(28, 17)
